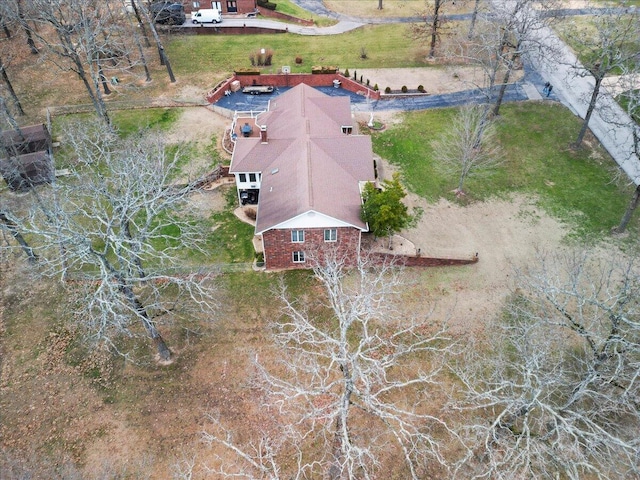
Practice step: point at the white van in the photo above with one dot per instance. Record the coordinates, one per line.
(207, 15)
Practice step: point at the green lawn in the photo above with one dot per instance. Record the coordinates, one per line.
(574, 186)
(290, 8)
(386, 45)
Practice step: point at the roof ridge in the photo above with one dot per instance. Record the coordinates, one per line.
(309, 173)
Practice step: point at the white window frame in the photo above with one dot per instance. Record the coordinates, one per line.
(332, 234)
(242, 177)
(254, 176)
(299, 236)
(298, 257)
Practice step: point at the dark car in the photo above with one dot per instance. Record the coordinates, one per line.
(168, 13)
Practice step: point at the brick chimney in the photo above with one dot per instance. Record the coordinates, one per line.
(263, 134)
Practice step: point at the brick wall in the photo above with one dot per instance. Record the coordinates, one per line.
(420, 261)
(291, 80)
(283, 16)
(278, 248)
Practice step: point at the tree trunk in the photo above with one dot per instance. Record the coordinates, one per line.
(7, 32)
(435, 25)
(27, 30)
(592, 106)
(13, 229)
(12, 92)
(164, 60)
(168, 64)
(474, 16)
(631, 207)
(379, 4)
(505, 82)
(95, 96)
(136, 11)
(341, 436)
(103, 79)
(9, 116)
(149, 326)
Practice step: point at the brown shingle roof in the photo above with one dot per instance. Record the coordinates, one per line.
(316, 166)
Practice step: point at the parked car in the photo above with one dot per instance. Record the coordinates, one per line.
(207, 15)
(168, 13)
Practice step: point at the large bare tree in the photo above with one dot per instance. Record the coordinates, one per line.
(115, 229)
(555, 394)
(357, 379)
(607, 45)
(469, 147)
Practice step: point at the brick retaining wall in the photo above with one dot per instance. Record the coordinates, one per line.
(291, 80)
(283, 16)
(420, 261)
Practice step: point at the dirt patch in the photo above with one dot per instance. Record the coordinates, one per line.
(435, 80)
(199, 125)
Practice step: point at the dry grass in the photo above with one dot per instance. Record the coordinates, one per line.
(390, 8)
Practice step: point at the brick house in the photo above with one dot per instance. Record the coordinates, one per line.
(304, 167)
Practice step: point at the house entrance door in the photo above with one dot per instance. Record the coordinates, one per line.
(232, 6)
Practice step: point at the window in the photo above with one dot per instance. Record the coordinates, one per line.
(331, 235)
(196, 4)
(297, 236)
(242, 177)
(298, 257)
(232, 6)
(347, 130)
(252, 177)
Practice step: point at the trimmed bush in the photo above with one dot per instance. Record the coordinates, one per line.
(251, 213)
(298, 60)
(375, 87)
(355, 75)
(404, 89)
(321, 69)
(367, 82)
(421, 88)
(387, 90)
(268, 5)
(247, 71)
(346, 73)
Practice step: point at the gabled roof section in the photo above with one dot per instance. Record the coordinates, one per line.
(317, 167)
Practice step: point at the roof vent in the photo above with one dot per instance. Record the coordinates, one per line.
(274, 171)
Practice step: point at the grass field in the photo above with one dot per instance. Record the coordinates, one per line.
(575, 186)
(387, 46)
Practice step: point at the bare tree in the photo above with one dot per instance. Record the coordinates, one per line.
(629, 98)
(474, 18)
(164, 59)
(9, 87)
(555, 394)
(358, 380)
(608, 46)
(469, 147)
(116, 214)
(431, 28)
